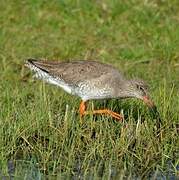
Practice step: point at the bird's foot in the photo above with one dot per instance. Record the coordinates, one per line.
(83, 112)
(106, 111)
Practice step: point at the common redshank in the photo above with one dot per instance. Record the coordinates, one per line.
(90, 80)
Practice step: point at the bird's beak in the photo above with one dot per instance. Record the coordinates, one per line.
(148, 101)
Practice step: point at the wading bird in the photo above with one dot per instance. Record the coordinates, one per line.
(90, 80)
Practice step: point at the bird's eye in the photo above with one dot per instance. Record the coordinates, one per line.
(140, 88)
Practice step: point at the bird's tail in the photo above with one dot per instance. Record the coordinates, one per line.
(36, 65)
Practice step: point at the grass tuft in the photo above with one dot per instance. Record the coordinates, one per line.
(41, 134)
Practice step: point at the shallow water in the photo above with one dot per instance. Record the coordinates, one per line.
(30, 171)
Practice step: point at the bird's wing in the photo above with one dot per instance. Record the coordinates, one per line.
(75, 71)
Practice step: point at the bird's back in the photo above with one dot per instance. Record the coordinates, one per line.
(75, 71)
(87, 79)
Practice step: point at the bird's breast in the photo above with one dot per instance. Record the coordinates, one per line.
(90, 91)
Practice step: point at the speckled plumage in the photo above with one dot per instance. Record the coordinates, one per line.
(90, 80)
(86, 79)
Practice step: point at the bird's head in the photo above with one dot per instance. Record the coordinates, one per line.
(140, 90)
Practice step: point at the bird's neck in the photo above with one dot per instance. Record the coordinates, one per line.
(126, 90)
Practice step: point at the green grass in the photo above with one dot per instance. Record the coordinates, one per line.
(40, 129)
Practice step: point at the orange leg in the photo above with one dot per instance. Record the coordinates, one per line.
(82, 108)
(100, 111)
